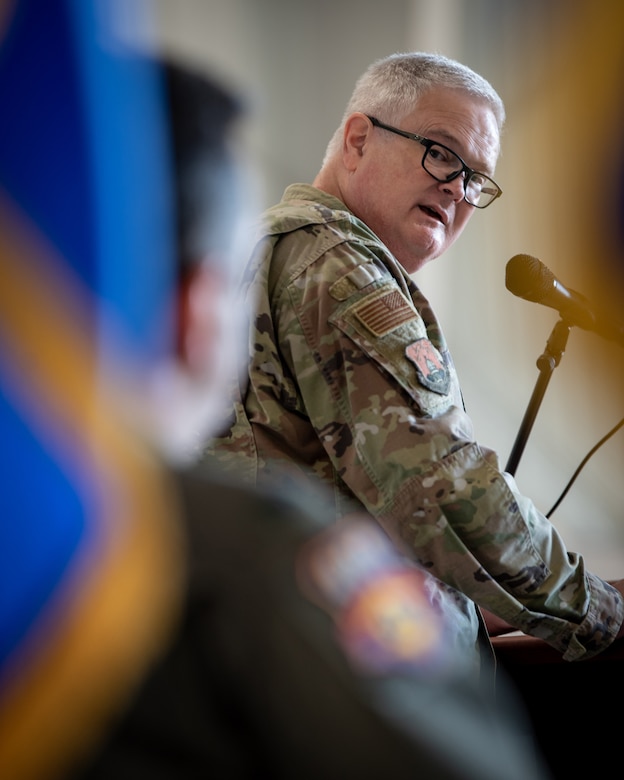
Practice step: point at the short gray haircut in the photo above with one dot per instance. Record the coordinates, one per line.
(390, 88)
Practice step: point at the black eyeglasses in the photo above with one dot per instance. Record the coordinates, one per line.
(445, 165)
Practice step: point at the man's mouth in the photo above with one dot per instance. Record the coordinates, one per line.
(433, 213)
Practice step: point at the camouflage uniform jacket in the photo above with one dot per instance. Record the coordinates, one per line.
(351, 383)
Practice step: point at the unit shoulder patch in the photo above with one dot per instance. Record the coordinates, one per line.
(430, 367)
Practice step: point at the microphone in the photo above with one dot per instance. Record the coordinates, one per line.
(528, 278)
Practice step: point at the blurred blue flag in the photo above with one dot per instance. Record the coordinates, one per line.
(86, 273)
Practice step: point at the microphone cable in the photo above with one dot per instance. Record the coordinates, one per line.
(582, 464)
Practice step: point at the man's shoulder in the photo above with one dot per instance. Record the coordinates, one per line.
(309, 226)
(316, 214)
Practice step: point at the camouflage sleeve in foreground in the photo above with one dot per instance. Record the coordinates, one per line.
(350, 381)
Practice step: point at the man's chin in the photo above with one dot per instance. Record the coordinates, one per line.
(420, 257)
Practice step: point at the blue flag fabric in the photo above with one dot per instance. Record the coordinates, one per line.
(90, 567)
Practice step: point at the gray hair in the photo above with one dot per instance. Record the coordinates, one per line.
(392, 86)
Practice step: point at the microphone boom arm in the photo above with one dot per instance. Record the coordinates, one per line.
(546, 363)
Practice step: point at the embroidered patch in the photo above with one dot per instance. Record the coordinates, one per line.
(381, 606)
(385, 313)
(391, 624)
(431, 370)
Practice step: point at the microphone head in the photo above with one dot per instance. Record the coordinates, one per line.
(528, 278)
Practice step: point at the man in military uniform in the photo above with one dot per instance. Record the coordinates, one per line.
(350, 383)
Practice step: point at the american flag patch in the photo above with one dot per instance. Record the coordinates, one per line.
(384, 313)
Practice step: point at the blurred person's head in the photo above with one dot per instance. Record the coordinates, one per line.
(94, 560)
(176, 399)
(415, 152)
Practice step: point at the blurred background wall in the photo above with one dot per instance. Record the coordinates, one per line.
(559, 66)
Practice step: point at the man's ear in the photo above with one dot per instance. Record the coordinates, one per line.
(356, 135)
(197, 319)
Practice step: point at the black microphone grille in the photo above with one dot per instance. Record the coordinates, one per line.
(528, 278)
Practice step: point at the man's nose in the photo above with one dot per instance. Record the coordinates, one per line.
(456, 186)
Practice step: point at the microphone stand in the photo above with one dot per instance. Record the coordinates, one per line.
(546, 363)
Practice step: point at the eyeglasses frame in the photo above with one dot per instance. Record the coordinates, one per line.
(428, 143)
